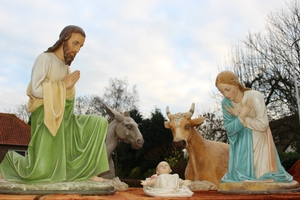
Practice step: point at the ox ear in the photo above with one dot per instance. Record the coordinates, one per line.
(167, 124)
(112, 113)
(197, 121)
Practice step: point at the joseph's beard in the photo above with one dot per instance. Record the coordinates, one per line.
(68, 55)
(69, 58)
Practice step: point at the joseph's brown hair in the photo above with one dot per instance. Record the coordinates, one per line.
(65, 34)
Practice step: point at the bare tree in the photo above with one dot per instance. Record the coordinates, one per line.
(119, 95)
(21, 112)
(89, 105)
(269, 62)
(213, 128)
(116, 95)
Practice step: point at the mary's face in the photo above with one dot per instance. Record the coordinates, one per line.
(228, 91)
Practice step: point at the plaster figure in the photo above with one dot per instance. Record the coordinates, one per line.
(208, 160)
(121, 128)
(164, 184)
(252, 154)
(63, 146)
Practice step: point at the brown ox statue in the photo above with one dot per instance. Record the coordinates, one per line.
(208, 160)
(121, 129)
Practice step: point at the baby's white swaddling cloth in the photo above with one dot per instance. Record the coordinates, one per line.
(167, 185)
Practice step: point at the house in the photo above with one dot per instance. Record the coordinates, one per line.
(14, 135)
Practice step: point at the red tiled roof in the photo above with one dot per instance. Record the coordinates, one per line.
(13, 131)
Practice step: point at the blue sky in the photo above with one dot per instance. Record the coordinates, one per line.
(171, 50)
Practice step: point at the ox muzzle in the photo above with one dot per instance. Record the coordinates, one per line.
(179, 145)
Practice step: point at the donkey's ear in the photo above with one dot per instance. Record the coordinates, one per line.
(109, 111)
(114, 114)
(127, 114)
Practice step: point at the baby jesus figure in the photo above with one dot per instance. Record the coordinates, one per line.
(164, 184)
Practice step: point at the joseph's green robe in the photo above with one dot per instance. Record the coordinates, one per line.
(73, 150)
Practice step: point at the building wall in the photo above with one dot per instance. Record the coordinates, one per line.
(5, 148)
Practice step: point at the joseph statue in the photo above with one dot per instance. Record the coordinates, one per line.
(63, 146)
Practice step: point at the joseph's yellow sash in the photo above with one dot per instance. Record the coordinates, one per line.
(54, 99)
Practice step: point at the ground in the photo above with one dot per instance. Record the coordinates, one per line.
(136, 193)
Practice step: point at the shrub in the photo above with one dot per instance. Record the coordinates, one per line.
(288, 159)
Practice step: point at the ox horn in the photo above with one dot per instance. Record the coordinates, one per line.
(191, 111)
(168, 112)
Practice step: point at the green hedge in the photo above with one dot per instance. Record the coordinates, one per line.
(288, 159)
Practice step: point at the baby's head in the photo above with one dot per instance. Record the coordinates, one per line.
(163, 168)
